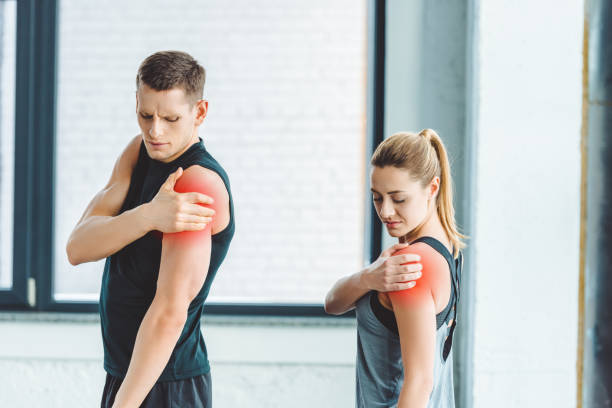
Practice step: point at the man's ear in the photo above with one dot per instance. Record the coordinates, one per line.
(201, 111)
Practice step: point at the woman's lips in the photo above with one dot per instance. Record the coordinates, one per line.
(392, 224)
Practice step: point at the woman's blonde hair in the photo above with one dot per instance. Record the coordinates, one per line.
(424, 156)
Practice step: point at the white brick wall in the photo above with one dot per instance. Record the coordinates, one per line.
(7, 137)
(286, 85)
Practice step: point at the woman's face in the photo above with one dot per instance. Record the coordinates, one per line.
(401, 202)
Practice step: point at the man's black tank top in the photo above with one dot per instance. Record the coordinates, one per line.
(130, 275)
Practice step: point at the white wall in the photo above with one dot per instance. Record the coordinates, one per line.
(56, 360)
(526, 209)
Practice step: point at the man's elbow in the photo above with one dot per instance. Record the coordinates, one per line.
(72, 254)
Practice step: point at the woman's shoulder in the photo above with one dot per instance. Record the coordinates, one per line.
(435, 279)
(429, 255)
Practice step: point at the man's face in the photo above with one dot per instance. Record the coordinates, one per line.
(168, 121)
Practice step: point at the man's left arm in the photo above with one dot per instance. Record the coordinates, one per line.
(185, 259)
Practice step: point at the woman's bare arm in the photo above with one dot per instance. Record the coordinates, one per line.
(386, 274)
(415, 311)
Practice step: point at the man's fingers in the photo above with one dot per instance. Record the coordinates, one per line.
(172, 178)
(193, 226)
(197, 219)
(198, 198)
(195, 209)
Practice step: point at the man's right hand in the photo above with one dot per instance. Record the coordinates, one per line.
(170, 211)
(388, 273)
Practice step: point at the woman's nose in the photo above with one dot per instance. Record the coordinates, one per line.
(386, 209)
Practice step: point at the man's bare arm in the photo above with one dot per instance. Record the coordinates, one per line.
(184, 265)
(101, 232)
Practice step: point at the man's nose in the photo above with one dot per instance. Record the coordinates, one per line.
(155, 130)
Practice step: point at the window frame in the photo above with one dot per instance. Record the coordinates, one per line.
(34, 119)
(35, 123)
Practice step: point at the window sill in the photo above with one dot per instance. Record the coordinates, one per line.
(229, 339)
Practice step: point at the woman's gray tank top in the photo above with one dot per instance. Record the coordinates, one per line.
(379, 358)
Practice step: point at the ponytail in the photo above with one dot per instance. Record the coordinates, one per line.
(446, 210)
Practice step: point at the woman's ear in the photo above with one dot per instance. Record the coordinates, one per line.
(434, 187)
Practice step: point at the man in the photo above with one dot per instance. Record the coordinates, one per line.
(164, 223)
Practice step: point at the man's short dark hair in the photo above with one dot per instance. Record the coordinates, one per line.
(173, 69)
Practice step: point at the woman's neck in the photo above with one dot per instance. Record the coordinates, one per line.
(432, 227)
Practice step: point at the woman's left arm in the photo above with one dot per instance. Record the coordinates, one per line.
(415, 312)
(416, 323)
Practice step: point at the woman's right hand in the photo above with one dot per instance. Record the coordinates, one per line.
(388, 272)
(170, 211)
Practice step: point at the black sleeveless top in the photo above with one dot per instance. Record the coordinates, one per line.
(130, 275)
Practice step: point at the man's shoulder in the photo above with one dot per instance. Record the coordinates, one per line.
(129, 155)
(201, 178)
(132, 149)
(126, 162)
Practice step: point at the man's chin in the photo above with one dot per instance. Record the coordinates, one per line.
(157, 155)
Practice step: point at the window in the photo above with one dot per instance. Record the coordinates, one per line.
(8, 19)
(286, 85)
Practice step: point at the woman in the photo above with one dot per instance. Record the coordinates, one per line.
(406, 304)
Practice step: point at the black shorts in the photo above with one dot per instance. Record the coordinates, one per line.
(195, 392)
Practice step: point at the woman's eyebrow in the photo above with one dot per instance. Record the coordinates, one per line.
(389, 192)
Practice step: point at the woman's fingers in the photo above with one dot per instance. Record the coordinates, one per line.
(404, 258)
(390, 251)
(407, 277)
(409, 268)
(402, 286)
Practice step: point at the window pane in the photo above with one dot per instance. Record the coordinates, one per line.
(286, 87)
(8, 28)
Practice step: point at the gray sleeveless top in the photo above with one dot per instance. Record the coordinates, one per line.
(379, 358)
